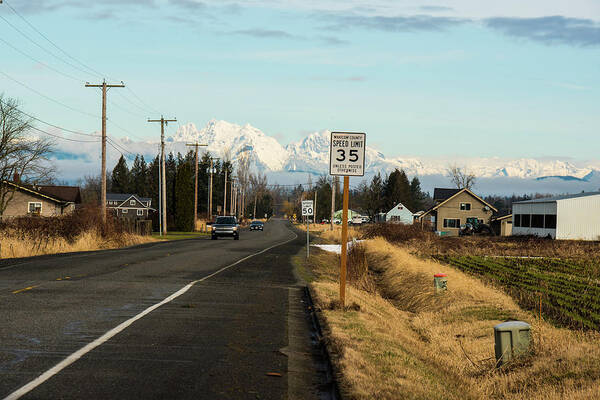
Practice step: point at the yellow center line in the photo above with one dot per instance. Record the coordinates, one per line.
(25, 289)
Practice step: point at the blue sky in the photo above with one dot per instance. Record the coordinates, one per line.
(456, 78)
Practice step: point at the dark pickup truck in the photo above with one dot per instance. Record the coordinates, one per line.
(225, 226)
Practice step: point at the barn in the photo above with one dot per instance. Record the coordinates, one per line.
(575, 217)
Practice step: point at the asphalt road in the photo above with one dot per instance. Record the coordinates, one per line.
(241, 333)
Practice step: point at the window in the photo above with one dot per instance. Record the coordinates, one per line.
(124, 211)
(451, 223)
(34, 208)
(132, 202)
(537, 220)
(525, 218)
(465, 206)
(550, 221)
(140, 212)
(517, 218)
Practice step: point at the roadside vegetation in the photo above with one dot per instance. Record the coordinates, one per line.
(398, 339)
(80, 231)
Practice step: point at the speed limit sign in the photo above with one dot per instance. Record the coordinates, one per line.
(307, 207)
(347, 154)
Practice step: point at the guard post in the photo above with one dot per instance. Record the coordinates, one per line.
(346, 158)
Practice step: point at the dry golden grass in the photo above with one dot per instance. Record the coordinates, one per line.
(15, 247)
(406, 341)
(323, 231)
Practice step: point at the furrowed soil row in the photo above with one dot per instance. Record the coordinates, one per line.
(570, 293)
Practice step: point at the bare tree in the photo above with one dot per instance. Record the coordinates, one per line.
(259, 186)
(90, 189)
(461, 177)
(23, 156)
(243, 176)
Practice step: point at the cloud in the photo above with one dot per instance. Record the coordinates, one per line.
(332, 40)
(189, 5)
(264, 33)
(435, 8)
(44, 6)
(356, 78)
(549, 30)
(411, 23)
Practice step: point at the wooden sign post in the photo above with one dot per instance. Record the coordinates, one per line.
(346, 158)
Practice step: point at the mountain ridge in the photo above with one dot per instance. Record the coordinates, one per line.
(311, 153)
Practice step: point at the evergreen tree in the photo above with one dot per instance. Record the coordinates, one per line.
(153, 189)
(397, 190)
(139, 172)
(417, 196)
(171, 173)
(375, 198)
(184, 197)
(121, 179)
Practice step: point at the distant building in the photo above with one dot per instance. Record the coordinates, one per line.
(575, 216)
(129, 205)
(502, 224)
(42, 200)
(451, 209)
(399, 215)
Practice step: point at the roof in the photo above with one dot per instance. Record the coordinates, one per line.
(456, 193)
(397, 207)
(58, 194)
(71, 194)
(444, 194)
(501, 217)
(125, 196)
(556, 198)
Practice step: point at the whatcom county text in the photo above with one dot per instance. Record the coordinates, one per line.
(347, 154)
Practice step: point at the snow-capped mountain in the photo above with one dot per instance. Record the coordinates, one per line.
(229, 140)
(311, 155)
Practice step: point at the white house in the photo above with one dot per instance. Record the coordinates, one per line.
(399, 214)
(575, 216)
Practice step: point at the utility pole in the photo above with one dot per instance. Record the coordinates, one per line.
(196, 145)
(163, 174)
(210, 189)
(231, 195)
(225, 192)
(315, 209)
(104, 86)
(333, 187)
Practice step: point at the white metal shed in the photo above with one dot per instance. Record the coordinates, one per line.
(575, 216)
(399, 214)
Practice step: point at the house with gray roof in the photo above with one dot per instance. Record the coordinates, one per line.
(127, 205)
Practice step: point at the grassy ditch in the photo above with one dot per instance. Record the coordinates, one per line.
(398, 339)
(80, 231)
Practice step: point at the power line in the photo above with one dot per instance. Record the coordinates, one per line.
(52, 125)
(52, 43)
(63, 138)
(49, 98)
(40, 62)
(120, 148)
(140, 100)
(131, 102)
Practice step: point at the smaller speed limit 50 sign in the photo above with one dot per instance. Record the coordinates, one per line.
(347, 154)
(307, 208)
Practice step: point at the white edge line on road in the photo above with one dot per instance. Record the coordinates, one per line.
(119, 328)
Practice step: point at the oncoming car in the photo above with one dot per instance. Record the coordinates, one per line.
(257, 226)
(225, 226)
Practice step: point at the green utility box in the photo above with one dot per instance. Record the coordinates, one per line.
(512, 339)
(440, 282)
